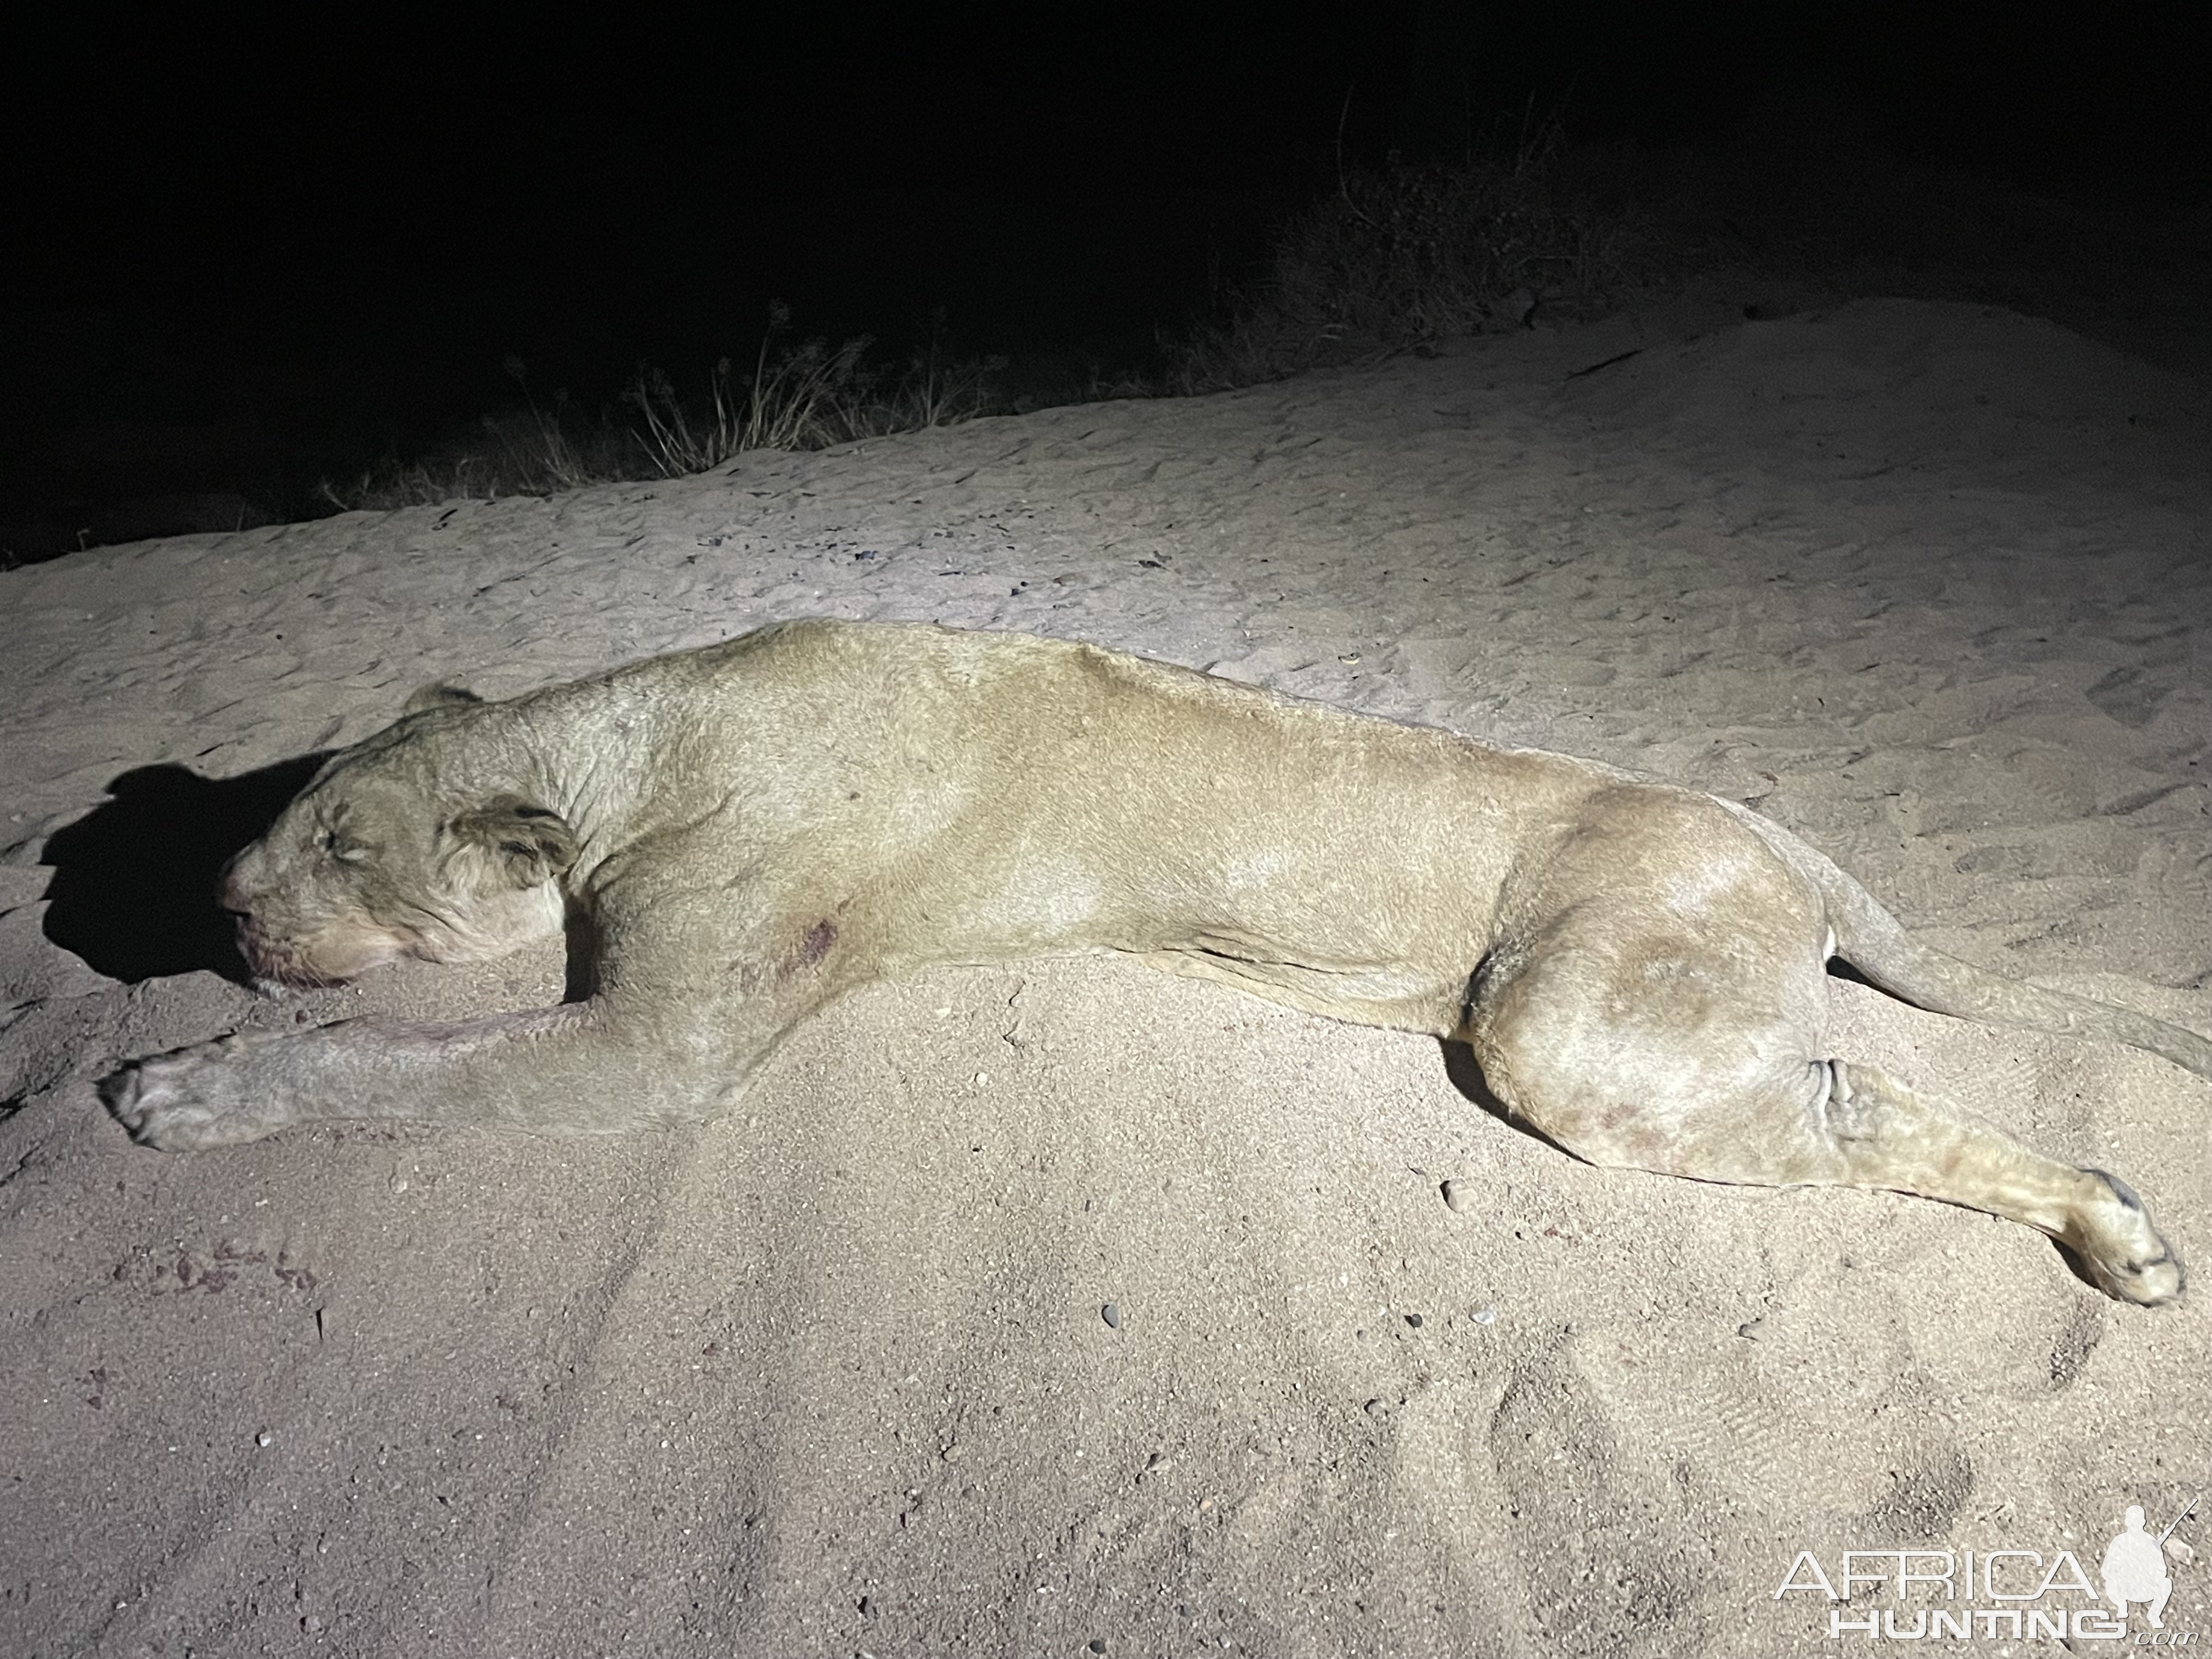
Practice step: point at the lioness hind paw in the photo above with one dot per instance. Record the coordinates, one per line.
(2150, 1283)
(2126, 1257)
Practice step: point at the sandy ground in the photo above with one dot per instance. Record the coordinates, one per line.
(1928, 582)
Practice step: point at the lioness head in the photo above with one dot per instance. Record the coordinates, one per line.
(397, 848)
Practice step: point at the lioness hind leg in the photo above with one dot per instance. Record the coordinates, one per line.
(1887, 1135)
(1706, 1070)
(1827, 1123)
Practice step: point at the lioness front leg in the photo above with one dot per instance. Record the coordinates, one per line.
(691, 992)
(549, 1070)
(658, 1047)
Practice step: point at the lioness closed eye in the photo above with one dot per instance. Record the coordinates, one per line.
(755, 828)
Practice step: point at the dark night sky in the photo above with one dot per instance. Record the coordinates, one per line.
(375, 214)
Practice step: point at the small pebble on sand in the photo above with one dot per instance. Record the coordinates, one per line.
(1111, 1313)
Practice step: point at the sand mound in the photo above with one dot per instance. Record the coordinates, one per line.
(1927, 582)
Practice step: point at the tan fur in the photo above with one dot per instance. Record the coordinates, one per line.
(747, 831)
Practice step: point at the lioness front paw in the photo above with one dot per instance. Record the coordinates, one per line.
(190, 1099)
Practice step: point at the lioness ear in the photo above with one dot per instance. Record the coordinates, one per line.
(526, 844)
(443, 694)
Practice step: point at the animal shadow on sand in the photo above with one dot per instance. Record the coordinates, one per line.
(133, 892)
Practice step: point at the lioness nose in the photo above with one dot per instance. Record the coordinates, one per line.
(230, 896)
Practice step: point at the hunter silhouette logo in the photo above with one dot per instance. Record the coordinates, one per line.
(2133, 1568)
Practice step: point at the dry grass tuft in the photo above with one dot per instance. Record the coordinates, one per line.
(805, 396)
(802, 395)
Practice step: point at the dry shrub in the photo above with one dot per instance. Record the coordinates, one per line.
(1415, 252)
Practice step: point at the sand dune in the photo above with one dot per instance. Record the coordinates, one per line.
(1928, 582)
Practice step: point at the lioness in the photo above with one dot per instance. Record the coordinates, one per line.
(743, 832)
